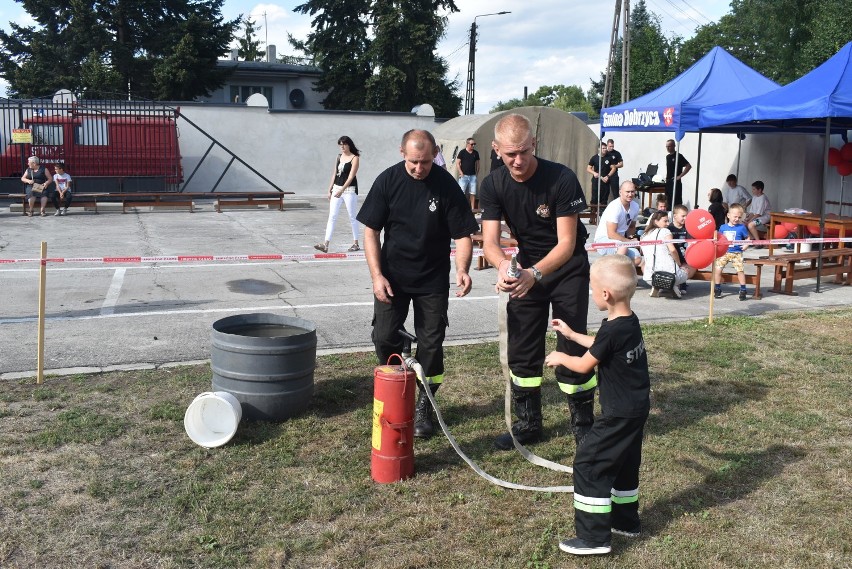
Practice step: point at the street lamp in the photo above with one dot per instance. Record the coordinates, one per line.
(471, 63)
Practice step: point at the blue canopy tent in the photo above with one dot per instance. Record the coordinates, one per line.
(716, 78)
(820, 101)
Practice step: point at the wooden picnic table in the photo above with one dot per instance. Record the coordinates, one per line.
(842, 224)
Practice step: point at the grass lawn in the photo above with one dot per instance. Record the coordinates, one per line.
(746, 464)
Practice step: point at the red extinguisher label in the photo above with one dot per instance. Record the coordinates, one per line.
(378, 409)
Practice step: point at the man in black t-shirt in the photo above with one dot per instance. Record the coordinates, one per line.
(420, 210)
(541, 201)
(601, 177)
(615, 159)
(674, 187)
(467, 166)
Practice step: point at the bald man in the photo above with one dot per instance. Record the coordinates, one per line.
(420, 209)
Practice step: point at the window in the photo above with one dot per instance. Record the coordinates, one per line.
(239, 93)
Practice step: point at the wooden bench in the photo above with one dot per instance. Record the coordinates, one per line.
(153, 199)
(80, 200)
(753, 280)
(593, 213)
(706, 275)
(506, 240)
(836, 262)
(250, 199)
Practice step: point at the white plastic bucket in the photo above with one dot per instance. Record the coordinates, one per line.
(212, 418)
(805, 248)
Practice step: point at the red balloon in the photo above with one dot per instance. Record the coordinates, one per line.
(844, 168)
(791, 227)
(700, 224)
(813, 230)
(846, 152)
(834, 157)
(722, 246)
(700, 254)
(781, 232)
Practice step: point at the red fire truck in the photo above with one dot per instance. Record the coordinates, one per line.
(107, 143)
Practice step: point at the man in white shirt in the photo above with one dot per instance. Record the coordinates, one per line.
(618, 221)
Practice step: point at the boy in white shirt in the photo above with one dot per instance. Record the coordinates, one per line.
(62, 194)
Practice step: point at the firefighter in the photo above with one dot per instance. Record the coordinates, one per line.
(541, 201)
(420, 210)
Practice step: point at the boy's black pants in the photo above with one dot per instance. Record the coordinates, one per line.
(606, 478)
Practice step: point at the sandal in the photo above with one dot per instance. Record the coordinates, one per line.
(321, 247)
(43, 214)
(29, 214)
(354, 248)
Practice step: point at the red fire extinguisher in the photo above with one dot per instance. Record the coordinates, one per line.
(392, 457)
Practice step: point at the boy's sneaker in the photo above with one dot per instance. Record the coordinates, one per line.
(684, 287)
(718, 293)
(655, 292)
(58, 212)
(577, 546)
(65, 211)
(677, 292)
(627, 533)
(743, 295)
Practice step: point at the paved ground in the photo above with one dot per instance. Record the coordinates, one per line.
(122, 315)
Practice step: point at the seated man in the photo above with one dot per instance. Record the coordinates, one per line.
(618, 223)
(757, 216)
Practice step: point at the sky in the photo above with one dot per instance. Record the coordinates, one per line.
(545, 42)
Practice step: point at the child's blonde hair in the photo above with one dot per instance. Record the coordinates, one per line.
(734, 206)
(618, 275)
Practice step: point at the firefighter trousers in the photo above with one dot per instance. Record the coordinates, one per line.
(430, 326)
(606, 478)
(528, 319)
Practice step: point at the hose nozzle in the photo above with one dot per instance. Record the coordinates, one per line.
(513, 271)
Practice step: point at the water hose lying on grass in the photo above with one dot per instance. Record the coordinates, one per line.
(414, 365)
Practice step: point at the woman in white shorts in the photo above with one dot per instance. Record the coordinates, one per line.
(662, 257)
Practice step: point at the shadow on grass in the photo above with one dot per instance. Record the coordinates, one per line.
(688, 402)
(742, 474)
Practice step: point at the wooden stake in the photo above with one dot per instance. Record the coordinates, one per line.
(713, 279)
(42, 282)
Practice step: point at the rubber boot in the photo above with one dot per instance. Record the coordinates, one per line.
(582, 416)
(527, 428)
(423, 427)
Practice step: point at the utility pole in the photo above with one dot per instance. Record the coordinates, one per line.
(613, 42)
(471, 64)
(625, 54)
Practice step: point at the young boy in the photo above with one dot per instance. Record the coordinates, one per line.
(734, 230)
(606, 466)
(62, 195)
(678, 230)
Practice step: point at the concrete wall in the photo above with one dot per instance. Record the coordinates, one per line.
(790, 165)
(294, 149)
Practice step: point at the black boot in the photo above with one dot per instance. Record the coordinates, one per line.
(527, 428)
(582, 415)
(423, 427)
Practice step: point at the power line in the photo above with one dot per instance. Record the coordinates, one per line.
(697, 11)
(682, 11)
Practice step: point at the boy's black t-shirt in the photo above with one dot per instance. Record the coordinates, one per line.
(623, 380)
(531, 207)
(679, 233)
(419, 217)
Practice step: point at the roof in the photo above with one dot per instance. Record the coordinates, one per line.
(716, 78)
(803, 105)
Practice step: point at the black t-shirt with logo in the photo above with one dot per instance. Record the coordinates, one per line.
(623, 381)
(679, 233)
(531, 207)
(419, 218)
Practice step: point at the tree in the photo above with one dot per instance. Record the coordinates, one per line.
(366, 64)
(569, 99)
(783, 39)
(407, 73)
(338, 44)
(164, 49)
(249, 47)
